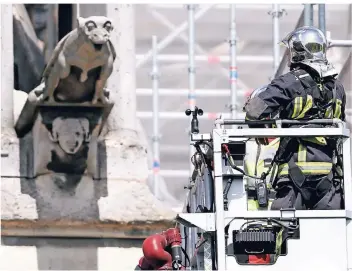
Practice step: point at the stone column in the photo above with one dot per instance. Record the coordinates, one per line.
(9, 141)
(125, 140)
(14, 204)
(122, 82)
(122, 123)
(7, 74)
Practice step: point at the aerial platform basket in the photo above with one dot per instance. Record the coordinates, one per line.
(210, 223)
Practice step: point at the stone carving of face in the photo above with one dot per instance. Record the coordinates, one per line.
(70, 133)
(96, 28)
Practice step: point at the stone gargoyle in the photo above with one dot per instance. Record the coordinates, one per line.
(71, 105)
(76, 73)
(81, 63)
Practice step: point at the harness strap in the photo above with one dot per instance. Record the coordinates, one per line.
(325, 185)
(298, 179)
(308, 82)
(297, 176)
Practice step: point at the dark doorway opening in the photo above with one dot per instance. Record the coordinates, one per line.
(65, 19)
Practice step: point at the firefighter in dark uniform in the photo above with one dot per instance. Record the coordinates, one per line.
(306, 174)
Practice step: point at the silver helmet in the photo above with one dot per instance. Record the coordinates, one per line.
(306, 44)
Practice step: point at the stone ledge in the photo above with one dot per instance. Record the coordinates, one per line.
(115, 201)
(83, 229)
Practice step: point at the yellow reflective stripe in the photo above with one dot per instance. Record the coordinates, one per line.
(328, 113)
(252, 205)
(309, 105)
(308, 172)
(297, 106)
(311, 164)
(337, 112)
(309, 168)
(302, 153)
(317, 140)
(278, 243)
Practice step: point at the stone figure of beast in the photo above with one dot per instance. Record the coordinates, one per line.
(81, 63)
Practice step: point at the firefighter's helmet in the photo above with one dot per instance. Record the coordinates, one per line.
(306, 44)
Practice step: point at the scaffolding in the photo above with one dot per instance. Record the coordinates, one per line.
(198, 54)
(156, 137)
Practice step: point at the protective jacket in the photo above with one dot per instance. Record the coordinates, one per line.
(301, 94)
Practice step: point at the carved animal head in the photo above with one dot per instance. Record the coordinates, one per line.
(96, 28)
(70, 133)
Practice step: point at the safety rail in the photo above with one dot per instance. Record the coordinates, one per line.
(277, 122)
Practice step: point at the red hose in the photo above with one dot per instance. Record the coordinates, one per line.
(154, 250)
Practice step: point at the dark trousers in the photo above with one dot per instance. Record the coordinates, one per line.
(288, 196)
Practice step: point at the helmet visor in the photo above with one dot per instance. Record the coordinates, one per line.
(313, 41)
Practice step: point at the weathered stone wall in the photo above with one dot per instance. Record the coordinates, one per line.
(68, 254)
(42, 197)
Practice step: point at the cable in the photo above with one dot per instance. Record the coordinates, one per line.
(183, 250)
(187, 258)
(269, 220)
(208, 144)
(226, 192)
(199, 150)
(201, 243)
(232, 164)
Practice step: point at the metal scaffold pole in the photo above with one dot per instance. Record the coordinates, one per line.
(171, 37)
(233, 64)
(78, 12)
(156, 138)
(322, 22)
(308, 15)
(191, 71)
(276, 13)
(191, 103)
